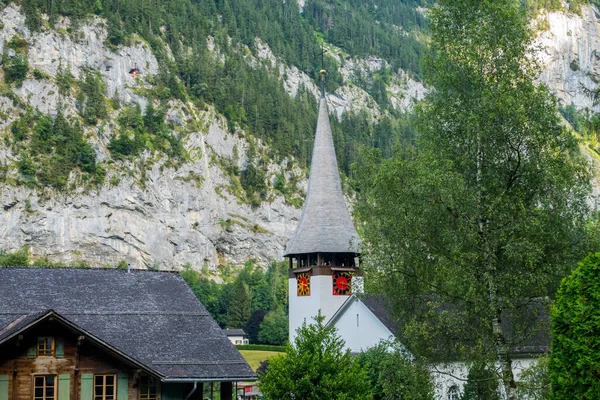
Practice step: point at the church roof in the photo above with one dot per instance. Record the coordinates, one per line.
(325, 225)
(133, 314)
(534, 341)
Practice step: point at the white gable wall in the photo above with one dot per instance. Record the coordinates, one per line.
(359, 328)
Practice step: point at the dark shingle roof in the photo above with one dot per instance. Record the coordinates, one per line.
(234, 332)
(536, 339)
(11, 324)
(325, 225)
(151, 317)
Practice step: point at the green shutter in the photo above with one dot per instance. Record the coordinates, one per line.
(31, 352)
(171, 391)
(87, 386)
(64, 386)
(3, 387)
(59, 351)
(122, 386)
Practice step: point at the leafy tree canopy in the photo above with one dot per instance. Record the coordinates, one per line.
(482, 218)
(315, 368)
(274, 328)
(394, 375)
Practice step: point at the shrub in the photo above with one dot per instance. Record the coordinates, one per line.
(575, 359)
(15, 69)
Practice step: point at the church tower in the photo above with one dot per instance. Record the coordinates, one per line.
(324, 249)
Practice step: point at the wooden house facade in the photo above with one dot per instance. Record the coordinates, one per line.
(68, 334)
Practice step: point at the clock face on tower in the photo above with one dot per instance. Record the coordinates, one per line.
(342, 283)
(303, 284)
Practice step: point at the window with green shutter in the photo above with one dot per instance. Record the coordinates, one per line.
(87, 386)
(44, 387)
(3, 387)
(59, 351)
(148, 389)
(104, 387)
(122, 386)
(32, 352)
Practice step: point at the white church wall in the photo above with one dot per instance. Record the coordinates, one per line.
(305, 308)
(360, 329)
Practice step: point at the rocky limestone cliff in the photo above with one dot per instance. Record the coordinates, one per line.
(147, 213)
(569, 49)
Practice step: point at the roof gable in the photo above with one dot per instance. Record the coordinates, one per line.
(152, 317)
(539, 342)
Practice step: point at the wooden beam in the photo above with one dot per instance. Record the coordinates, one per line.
(226, 391)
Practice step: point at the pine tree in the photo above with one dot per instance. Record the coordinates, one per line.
(238, 311)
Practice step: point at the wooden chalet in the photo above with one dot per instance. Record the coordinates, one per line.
(100, 334)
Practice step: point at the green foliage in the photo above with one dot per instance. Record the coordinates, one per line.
(253, 181)
(18, 258)
(274, 328)
(385, 27)
(261, 347)
(39, 75)
(575, 360)
(534, 382)
(586, 123)
(18, 44)
(92, 92)
(144, 132)
(471, 210)
(250, 96)
(64, 80)
(50, 149)
(264, 291)
(482, 383)
(26, 165)
(315, 367)
(238, 311)
(393, 375)
(15, 69)
(252, 326)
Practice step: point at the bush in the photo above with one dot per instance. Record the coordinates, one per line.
(260, 347)
(17, 259)
(393, 375)
(56, 148)
(315, 368)
(91, 98)
(15, 69)
(575, 359)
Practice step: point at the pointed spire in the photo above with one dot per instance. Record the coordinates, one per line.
(325, 225)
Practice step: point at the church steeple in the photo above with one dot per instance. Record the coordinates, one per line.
(325, 225)
(322, 253)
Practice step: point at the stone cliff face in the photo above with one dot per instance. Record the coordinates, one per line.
(570, 52)
(147, 213)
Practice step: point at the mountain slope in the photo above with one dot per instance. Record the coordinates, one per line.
(165, 133)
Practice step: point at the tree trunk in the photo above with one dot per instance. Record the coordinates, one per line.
(508, 379)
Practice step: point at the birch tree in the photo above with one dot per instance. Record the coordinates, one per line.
(481, 221)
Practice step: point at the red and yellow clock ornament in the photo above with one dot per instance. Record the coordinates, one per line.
(303, 284)
(342, 283)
